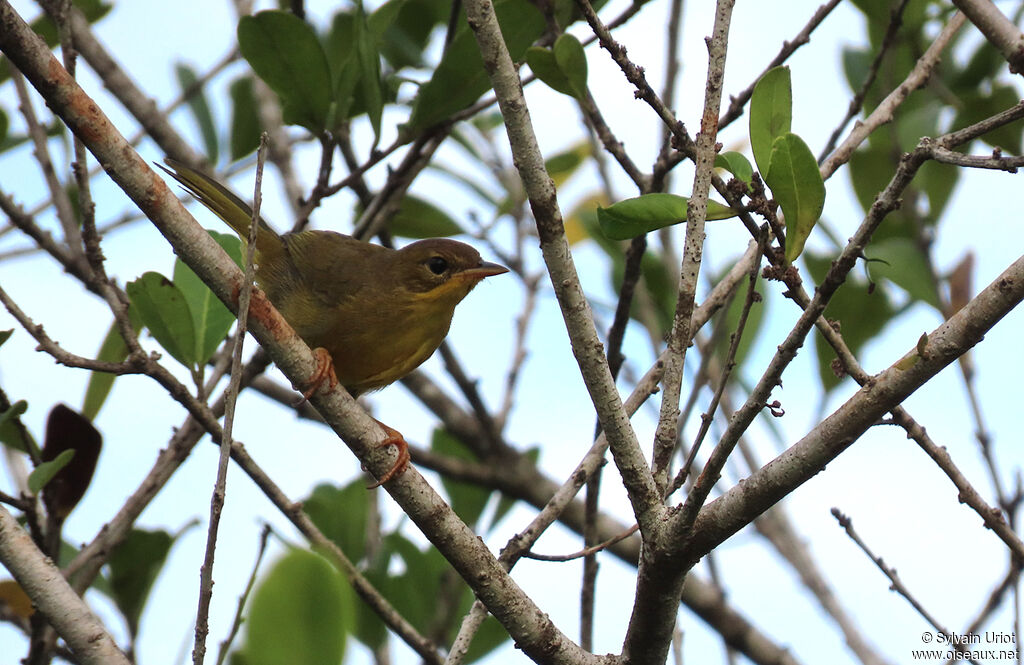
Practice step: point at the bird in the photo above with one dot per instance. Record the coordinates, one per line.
(371, 314)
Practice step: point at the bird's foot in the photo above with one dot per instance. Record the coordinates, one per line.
(396, 439)
(324, 372)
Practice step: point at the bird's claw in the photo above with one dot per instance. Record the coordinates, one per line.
(396, 439)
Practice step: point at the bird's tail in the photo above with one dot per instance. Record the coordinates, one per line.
(224, 203)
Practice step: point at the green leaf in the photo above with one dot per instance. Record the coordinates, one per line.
(856, 65)
(44, 473)
(245, 121)
(544, 66)
(134, 566)
(340, 50)
(418, 218)
(352, 51)
(771, 114)
(642, 214)
(460, 78)
(507, 503)
(871, 168)
(563, 67)
(284, 51)
(736, 164)
(564, 164)
(340, 513)
(730, 319)
(404, 28)
(977, 106)
(902, 262)
(301, 613)
(112, 350)
(164, 310)
(69, 477)
(468, 500)
(985, 63)
(367, 61)
(93, 10)
(572, 61)
(860, 312)
(12, 433)
(423, 570)
(210, 318)
(796, 184)
(200, 108)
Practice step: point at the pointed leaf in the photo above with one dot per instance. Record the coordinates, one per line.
(44, 473)
(901, 261)
(736, 164)
(796, 184)
(210, 318)
(460, 78)
(860, 312)
(572, 61)
(163, 310)
(404, 28)
(563, 67)
(301, 613)
(245, 122)
(730, 319)
(642, 214)
(544, 66)
(367, 61)
(977, 106)
(112, 350)
(285, 52)
(200, 108)
(134, 566)
(771, 114)
(468, 500)
(418, 218)
(340, 50)
(12, 432)
(564, 164)
(340, 513)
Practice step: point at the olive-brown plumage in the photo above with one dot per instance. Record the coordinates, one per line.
(378, 312)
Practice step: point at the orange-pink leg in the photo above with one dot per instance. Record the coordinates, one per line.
(324, 372)
(396, 439)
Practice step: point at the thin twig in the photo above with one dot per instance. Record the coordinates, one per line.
(236, 623)
(217, 501)
(857, 103)
(737, 102)
(707, 417)
(896, 584)
(886, 110)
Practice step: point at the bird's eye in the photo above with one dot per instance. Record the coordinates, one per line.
(437, 264)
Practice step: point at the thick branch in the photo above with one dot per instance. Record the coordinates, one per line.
(998, 30)
(51, 595)
(740, 505)
(579, 321)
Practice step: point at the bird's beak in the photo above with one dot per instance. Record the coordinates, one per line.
(485, 269)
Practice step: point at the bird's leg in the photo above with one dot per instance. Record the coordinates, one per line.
(324, 372)
(396, 439)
